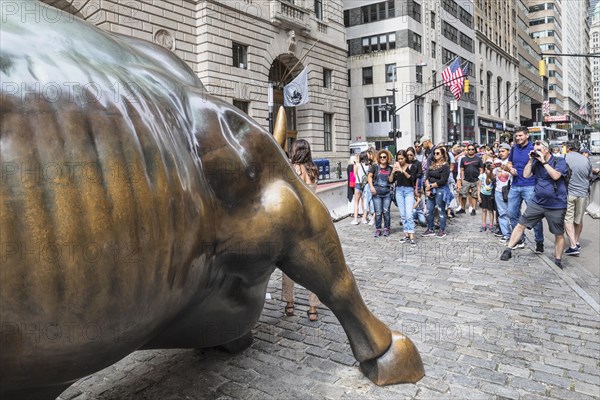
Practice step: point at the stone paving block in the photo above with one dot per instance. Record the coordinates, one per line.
(488, 375)
(562, 394)
(586, 388)
(501, 391)
(551, 379)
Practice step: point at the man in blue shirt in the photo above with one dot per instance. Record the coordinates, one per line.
(549, 200)
(522, 188)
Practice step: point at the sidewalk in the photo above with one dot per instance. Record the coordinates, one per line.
(485, 329)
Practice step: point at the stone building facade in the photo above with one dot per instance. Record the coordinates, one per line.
(397, 51)
(498, 69)
(238, 47)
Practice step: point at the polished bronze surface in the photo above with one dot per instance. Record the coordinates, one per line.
(137, 211)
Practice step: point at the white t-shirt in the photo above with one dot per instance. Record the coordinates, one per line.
(502, 177)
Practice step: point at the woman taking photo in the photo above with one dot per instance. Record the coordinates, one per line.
(437, 191)
(380, 180)
(301, 159)
(404, 177)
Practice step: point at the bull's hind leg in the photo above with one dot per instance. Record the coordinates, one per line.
(318, 264)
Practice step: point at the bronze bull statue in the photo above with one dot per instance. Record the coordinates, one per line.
(138, 212)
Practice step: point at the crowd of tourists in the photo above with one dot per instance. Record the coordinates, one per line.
(430, 183)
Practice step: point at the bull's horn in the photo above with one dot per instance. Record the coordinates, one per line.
(279, 132)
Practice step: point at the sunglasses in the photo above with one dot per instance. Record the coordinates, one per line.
(437, 153)
(382, 157)
(539, 143)
(471, 149)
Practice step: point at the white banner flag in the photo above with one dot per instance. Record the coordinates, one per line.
(295, 93)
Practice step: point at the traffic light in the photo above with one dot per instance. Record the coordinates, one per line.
(542, 67)
(466, 86)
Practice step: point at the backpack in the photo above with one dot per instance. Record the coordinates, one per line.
(365, 179)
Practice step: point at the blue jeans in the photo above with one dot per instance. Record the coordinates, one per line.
(382, 205)
(441, 205)
(405, 196)
(502, 210)
(367, 196)
(516, 196)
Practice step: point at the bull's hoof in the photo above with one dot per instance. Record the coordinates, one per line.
(401, 363)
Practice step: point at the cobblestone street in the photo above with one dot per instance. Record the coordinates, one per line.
(521, 329)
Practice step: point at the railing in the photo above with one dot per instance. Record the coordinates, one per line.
(287, 14)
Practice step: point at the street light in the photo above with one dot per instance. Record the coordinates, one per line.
(394, 133)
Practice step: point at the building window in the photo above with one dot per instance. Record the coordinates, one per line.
(327, 78)
(414, 11)
(378, 11)
(319, 9)
(386, 41)
(432, 20)
(327, 130)
(349, 79)
(419, 74)
(465, 17)
(240, 55)
(415, 42)
(242, 105)
(449, 32)
(390, 72)
(433, 49)
(374, 113)
(367, 75)
(466, 42)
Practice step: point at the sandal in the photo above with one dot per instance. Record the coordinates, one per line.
(312, 315)
(289, 310)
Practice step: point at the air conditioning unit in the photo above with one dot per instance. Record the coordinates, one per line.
(242, 66)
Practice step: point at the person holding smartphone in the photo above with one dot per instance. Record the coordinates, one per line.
(549, 199)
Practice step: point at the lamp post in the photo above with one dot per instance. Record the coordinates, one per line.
(395, 133)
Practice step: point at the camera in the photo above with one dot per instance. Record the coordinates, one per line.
(533, 155)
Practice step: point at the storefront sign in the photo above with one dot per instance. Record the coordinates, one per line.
(557, 118)
(509, 128)
(499, 125)
(486, 123)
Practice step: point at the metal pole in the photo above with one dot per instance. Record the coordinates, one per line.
(270, 104)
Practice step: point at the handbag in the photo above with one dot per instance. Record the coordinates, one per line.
(365, 178)
(393, 195)
(351, 180)
(505, 191)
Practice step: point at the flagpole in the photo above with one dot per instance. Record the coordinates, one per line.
(299, 61)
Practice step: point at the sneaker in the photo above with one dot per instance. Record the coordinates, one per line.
(386, 232)
(428, 232)
(578, 246)
(372, 221)
(498, 233)
(452, 214)
(377, 233)
(413, 243)
(491, 228)
(505, 239)
(572, 251)
(364, 221)
(520, 244)
(441, 233)
(506, 255)
(405, 239)
(461, 211)
(539, 247)
(482, 229)
(473, 212)
(558, 263)
(354, 222)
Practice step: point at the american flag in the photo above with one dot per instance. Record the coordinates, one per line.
(546, 107)
(454, 77)
(582, 109)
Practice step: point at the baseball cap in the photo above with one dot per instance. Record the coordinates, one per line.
(543, 143)
(505, 146)
(572, 145)
(425, 139)
(584, 151)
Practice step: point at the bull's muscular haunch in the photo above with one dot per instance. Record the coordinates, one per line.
(138, 212)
